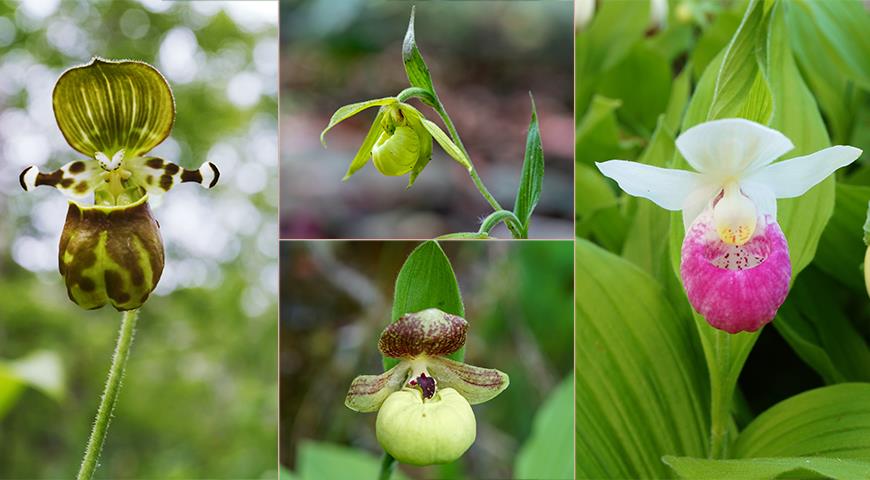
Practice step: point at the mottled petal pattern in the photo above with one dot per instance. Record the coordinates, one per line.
(476, 384)
(158, 176)
(428, 332)
(368, 392)
(76, 179)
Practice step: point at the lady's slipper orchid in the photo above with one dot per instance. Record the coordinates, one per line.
(423, 403)
(113, 112)
(399, 141)
(735, 265)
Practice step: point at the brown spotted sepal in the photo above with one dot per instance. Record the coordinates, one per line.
(430, 332)
(110, 254)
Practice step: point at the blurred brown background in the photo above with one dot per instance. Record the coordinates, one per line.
(484, 57)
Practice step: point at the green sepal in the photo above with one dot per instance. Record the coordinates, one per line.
(348, 111)
(106, 106)
(425, 149)
(110, 254)
(365, 150)
(368, 392)
(476, 384)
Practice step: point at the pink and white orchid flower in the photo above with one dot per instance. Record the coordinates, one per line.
(735, 265)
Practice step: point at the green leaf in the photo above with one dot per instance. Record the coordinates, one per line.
(365, 150)
(320, 461)
(766, 468)
(642, 101)
(348, 111)
(714, 40)
(830, 421)
(415, 66)
(677, 101)
(597, 138)
(426, 280)
(549, 450)
(598, 209)
(446, 143)
(820, 332)
(641, 382)
(616, 27)
(106, 106)
(841, 248)
(532, 177)
(41, 370)
(465, 236)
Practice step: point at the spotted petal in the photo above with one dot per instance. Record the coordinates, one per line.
(476, 384)
(428, 332)
(368, 392)
(731, 147)
(76, 179)
(158, 176)
(106, 106)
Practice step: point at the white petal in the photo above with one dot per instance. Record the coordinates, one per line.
(761, 196)
(731, 147)
(666, 187)
(697, 202)
(793, 177)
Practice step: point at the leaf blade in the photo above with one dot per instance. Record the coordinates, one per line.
(532, 176)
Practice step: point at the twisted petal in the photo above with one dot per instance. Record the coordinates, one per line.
(669, 188)
(348, 111)
(735, 288)
(476, 384)
(793, 177)
(158, 176)
(368, 392)
(76, 179)
(106, 106)
(731, 147)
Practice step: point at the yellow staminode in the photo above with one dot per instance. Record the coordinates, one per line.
(734, 216)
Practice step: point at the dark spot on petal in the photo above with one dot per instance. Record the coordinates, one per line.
(77, 167)
(171, 168)
(87, 284)
(191, 176)
(154, 163)
(82, 187)
(66, 182)
(165, 182)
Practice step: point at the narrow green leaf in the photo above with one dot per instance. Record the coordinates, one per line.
(446, 143)
(598, 209)
(597, 138)
(365, 150)
(426, 280)
(348, 111)
(766, 468)
(678, 100)
(415, 66)
(714, 39)
(549, 450)
(106, 106)
(532, 177)
(321, 461)
(641, 382)
(465, 236)
(830, 421)
(642, 101)
(739, 69)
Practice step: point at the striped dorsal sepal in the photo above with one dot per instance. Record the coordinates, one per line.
(157, 175)
(76, 179)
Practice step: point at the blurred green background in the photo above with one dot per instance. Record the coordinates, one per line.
(484, 58)
(336, 300)
(199, 397)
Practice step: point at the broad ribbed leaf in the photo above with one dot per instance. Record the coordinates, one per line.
(348, 111)
(106, 106)
(841, 247)
(597, 138)
(641, 385)
(549, 450)
(532, 177)
(642, 101)
(766, 468)
(830, 421)
(426, 280)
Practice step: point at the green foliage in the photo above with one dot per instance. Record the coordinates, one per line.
(532, 177)
(549, 450)
(765, 468)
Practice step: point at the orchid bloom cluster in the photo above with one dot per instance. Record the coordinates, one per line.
(424, 401)
(735, 263)
(114, 113)
(399, 140)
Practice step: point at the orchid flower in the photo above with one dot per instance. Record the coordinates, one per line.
(735, 264)
(424, 402)
(114, 113)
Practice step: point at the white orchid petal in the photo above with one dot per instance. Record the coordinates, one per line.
(793, 177)
(666, 187)
(761, 196)
(697, 202)
(731, 147)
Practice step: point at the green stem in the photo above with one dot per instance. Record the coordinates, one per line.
(451, 129)
(388, 464)
(110, 396)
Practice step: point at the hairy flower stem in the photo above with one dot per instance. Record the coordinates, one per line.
(388, 464)
(110, 396)
(439, 107)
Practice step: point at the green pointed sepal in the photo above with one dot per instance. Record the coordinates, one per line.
(110, 254)
(108, 106)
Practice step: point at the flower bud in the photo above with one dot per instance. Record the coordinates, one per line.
(395, 154)
(110, 254)
(422, 431)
